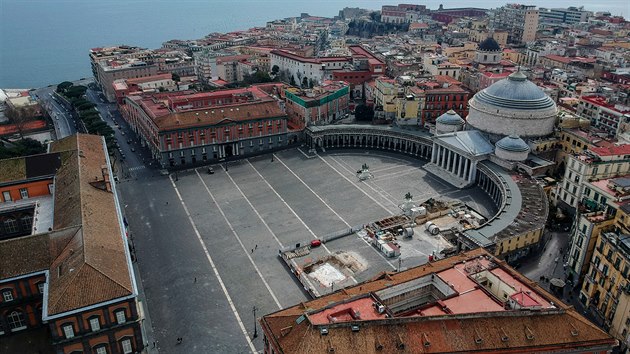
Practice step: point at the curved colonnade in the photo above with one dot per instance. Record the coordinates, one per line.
(491, 178)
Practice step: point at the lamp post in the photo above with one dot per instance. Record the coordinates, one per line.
(255, 327)
(399, 263)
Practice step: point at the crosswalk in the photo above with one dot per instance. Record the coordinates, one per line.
(136, 168)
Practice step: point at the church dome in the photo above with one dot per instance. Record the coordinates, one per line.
(512, 143)
(489, 45)
(450, 118)
(515, 92)
(512, 148)
(513, 105)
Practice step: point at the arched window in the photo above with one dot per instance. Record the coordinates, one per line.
(16, 321)
(10, 225)
(27, 222)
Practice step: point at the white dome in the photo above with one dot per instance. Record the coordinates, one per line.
(512, 148)
(513, 105)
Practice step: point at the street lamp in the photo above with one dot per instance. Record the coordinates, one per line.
(255, 327)
(399, 263)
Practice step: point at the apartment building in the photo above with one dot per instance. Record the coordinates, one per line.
(520, 21)
(607, 280)
(568, 16)
(603, 114)
(319, 105)
(315, 69)
(439, 65)
(593, 164)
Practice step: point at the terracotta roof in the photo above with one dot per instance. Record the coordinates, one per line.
(520, 332)
(558, 327)
(91, 266)
(226, 113)
(612, 150)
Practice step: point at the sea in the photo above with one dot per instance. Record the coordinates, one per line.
(44, 42)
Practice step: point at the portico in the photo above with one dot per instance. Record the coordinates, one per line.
(455, 156)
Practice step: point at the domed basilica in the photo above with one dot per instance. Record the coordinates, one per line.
(502, 119)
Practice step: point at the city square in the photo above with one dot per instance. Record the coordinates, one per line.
(207, 245)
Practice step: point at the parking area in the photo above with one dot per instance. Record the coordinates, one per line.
(208, 244)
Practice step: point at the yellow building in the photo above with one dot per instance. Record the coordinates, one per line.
(385, 94)
(409, 107)
(518, 242)
(607, 281)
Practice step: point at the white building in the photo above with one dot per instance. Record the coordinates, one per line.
(299, 67)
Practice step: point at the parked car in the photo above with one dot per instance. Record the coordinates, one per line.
(210, 171)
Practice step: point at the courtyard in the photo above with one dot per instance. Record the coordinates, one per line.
(208, 244)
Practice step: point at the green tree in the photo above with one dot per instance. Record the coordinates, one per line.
(275, 69)
(62, 87)
(23, 147)
(292, 82)
(86, 106)
(175, 77)
(305, 82)
(364, 113)
(75, 91)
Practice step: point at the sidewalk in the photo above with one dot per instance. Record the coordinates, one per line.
(145, 318)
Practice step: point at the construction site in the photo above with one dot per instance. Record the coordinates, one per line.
(419, 234)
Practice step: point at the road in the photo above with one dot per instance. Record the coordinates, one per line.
(62, 118)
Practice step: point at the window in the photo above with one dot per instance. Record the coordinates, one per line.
(51, 188)
(27, 222)
(6, 196)
(7, 295)
(120, 317)
(101, 350)
(68, 331)
(10, 225)
(94, 324)
(40, 287)
(16, 321)
(24, 193)
(126, 346)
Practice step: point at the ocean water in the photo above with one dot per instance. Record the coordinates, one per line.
(45, 42)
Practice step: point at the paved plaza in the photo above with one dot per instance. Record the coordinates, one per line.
(208, 244)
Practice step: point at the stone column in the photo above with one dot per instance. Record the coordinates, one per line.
(434, 154)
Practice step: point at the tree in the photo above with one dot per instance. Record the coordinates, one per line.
(62, 87)
(20, 116)
(23, 147)
(75, 91)
(364, 113)
(86, 106)
(305, 82)
(175, 77)
(292, 82)
(311, 83)
(275, 69)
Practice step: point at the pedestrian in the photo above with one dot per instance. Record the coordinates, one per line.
(252, 250)
(179, 340)
(256, 247)
(153, 344)
(195, 279)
